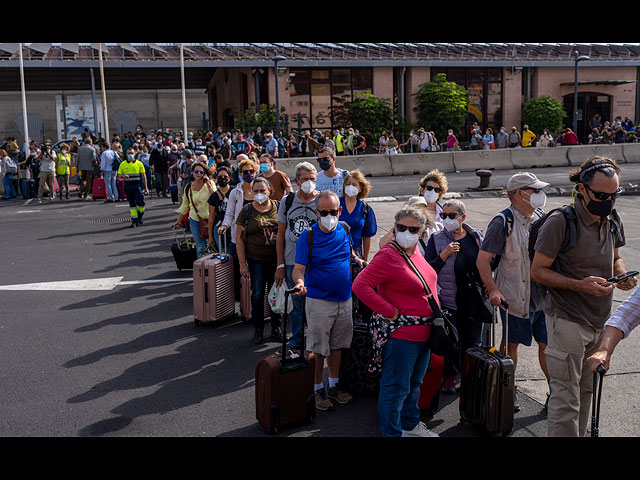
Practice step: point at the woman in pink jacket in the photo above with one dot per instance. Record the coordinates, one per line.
(399, 324)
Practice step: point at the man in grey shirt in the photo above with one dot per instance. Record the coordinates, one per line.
(86, 162)
(296, 213)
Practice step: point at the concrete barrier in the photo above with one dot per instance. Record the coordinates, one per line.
(631, 152)
(577, 154)
(533, 157)
(470, 160)
(421, 163)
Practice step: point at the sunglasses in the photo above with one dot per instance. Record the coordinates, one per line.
(535, 190)
(603, 195)
(401, 228)
(246, 172)
(437, 189)
(451, 215)
(324, 213)
(198, 171)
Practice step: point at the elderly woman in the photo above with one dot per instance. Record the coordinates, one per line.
(452, 253)
(358, 214)
(391, 288)
(433, 187)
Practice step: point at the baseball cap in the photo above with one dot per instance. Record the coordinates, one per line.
(187, 153)
(525, 180)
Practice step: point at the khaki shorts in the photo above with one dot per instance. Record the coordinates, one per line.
(329, 325)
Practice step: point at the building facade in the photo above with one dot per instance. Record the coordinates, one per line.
(143, 83)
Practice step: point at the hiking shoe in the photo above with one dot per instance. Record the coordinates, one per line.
(449, 385)
(516, 405)
(338, 395)
(322, 402)
(420, 430)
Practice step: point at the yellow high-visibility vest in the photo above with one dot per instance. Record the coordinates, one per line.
(62, 165)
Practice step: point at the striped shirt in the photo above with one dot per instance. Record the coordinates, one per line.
(627, 315)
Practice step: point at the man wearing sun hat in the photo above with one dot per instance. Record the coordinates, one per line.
(506, 244)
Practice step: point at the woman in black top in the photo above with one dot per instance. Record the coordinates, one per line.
(218, 206)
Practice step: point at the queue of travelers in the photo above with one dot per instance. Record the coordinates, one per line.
(314, 232)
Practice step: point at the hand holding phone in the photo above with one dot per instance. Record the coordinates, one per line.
(620, 278)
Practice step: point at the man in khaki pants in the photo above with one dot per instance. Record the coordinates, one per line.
(579, 298)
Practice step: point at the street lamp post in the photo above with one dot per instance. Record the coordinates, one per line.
(575, 90)
(277, 58)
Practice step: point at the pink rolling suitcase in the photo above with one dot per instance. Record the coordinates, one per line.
(245, 301)
(99, 188)
(213, 295)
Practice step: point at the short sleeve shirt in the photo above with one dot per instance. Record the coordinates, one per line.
(299, 216)
(261, 233)
(592, 256)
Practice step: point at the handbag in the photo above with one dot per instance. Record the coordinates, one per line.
(478, 306)
(443, 338)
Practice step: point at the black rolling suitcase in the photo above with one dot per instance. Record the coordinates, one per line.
(487, 385)
(184, 252)
(355, 378)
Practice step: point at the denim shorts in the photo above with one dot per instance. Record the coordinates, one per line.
(522, 330)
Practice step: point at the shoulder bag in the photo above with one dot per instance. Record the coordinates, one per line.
(204, 222)
(444, 335)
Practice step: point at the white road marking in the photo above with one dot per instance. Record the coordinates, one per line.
(89, 284)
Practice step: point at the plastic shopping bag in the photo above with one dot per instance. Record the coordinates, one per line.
(276, 299)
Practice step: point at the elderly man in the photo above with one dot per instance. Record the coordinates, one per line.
(86, 163)
(322, 272)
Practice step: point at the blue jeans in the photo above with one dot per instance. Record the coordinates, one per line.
(262, 276)
(201, 243)
(404, 364)
(296, 315)
(9, 189)
(110, 183)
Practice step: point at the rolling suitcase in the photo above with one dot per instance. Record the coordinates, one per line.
(355, 377)
(98, 188)
(430, 389)
(487, 385)
(184, 252)
(120, 187)
(284, 385)
(245, 301)
(213, 299)
(173, 189)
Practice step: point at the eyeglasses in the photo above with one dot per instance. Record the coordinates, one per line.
(451, 215)
(247, 172)
(324, 213)
(198, 171)
(437, 189)
(401, 228)
(603, 195)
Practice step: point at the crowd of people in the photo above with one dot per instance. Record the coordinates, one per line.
(314, 232)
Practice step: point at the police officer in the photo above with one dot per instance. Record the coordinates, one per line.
(133, 173)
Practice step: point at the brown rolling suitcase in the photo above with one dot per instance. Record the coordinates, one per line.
(213, 297)
(284, 386)
(487, 385)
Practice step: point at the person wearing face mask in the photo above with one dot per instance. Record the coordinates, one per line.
(331, 177)
(433, 187)
(579, 298)
(307, 146)
(195, 204)
(452, 142)
(295, 215)
(488, 140)
(135, 183)
(63, 169)
(357, 213)
(218, 207)
(391, 288)
(502, 139)
(280, 184)
(159, 161)
(322, 273)
(241, 195)
(339, 142)
(256, 233)
(452, 252)
(510, 280)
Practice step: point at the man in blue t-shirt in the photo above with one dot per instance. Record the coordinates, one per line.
(325, 278)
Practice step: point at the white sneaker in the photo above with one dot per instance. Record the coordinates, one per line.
(420, 430)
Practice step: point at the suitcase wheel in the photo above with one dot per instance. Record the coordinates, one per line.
(311, 409)
(197, 322)
(274, 420)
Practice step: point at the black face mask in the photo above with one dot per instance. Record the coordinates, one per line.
(601, 209)
(222, 182)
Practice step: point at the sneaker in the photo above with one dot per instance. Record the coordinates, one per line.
(420, 430)
(338, 395)
(516, 405)
(277, 334)
(449, 385)
(322, 402)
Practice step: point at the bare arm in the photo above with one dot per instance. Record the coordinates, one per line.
(483, 263)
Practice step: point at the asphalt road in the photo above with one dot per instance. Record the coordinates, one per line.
(128, 360)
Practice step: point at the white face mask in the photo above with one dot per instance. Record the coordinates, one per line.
(451, 224)
(431, 196)
(308, 186)
(260, 197)
(351, 190)
(329, 222)
(407, 239)
(537, 200)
